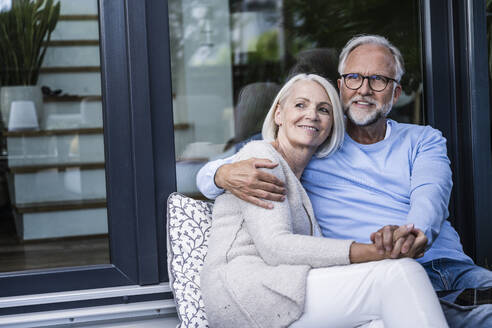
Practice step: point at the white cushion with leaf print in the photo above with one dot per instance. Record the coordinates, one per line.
(188, 231)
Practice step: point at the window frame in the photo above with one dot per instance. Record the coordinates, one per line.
(473, 125)
(135, 193)
(456, 89)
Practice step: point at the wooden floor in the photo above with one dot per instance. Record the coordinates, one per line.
(55, 253)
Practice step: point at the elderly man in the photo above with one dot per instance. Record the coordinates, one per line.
(385, 175)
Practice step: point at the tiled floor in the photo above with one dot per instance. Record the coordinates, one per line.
(47, 254)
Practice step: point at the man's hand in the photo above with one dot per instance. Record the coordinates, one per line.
(383, 238)
(400, 241)
(245, 180)
(418, 248)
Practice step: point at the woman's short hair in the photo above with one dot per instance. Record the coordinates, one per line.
(360, 40)
(335, 139)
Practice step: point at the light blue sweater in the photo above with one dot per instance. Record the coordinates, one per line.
(404, 178)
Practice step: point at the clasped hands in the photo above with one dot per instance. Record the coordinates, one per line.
(394, 241)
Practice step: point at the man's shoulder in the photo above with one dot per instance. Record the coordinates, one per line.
(415, 131)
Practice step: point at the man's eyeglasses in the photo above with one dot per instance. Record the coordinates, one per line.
(377, 83)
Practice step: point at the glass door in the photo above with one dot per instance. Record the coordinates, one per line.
(52, 169)
(229, 57)
(78, 206)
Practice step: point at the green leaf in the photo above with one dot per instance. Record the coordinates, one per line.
(23, 31)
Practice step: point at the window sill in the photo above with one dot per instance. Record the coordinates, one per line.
(110, 315)
(82, 295)
(88, 315)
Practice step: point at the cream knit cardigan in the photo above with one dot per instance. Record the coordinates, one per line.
(258, 259)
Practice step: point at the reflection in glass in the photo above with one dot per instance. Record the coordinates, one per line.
(52, 178)
(220, 48)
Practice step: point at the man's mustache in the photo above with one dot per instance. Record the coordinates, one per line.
(361, 98)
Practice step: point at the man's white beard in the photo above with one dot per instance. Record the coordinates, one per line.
(363, 118)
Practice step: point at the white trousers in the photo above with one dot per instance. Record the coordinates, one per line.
(389, 293)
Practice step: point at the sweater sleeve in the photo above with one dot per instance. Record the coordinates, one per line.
(271, 229)
(430, 184)
(205, 179)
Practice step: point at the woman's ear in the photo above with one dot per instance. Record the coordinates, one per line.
(278, 118)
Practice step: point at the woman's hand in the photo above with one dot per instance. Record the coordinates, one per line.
(360, 253)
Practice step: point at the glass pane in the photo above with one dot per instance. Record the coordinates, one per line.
(228, 58)
(52, 178)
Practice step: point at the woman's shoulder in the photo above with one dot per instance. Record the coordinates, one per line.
(258, 149)
(264, 150)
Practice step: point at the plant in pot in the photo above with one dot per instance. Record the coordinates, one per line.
(25, 29)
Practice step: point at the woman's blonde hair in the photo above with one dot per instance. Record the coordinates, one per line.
(335, 139)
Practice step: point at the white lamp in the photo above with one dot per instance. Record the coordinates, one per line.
(23, 116)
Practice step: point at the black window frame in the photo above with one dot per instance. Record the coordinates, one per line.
(138, 137)
(456, 94)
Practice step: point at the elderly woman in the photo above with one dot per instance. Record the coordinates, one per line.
(272, 268)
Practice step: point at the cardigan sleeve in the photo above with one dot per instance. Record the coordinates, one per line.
(271, 229)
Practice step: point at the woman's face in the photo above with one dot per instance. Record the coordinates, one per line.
(305, 116)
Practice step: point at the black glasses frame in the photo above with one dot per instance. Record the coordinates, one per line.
(369, 79)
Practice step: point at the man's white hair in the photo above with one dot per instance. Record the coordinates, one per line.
(372, 39)
(335, 139)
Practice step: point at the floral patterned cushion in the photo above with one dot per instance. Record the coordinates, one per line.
(188, 230)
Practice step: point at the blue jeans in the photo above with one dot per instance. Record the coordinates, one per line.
(447, 274)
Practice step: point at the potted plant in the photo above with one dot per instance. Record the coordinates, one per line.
(25, 29)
